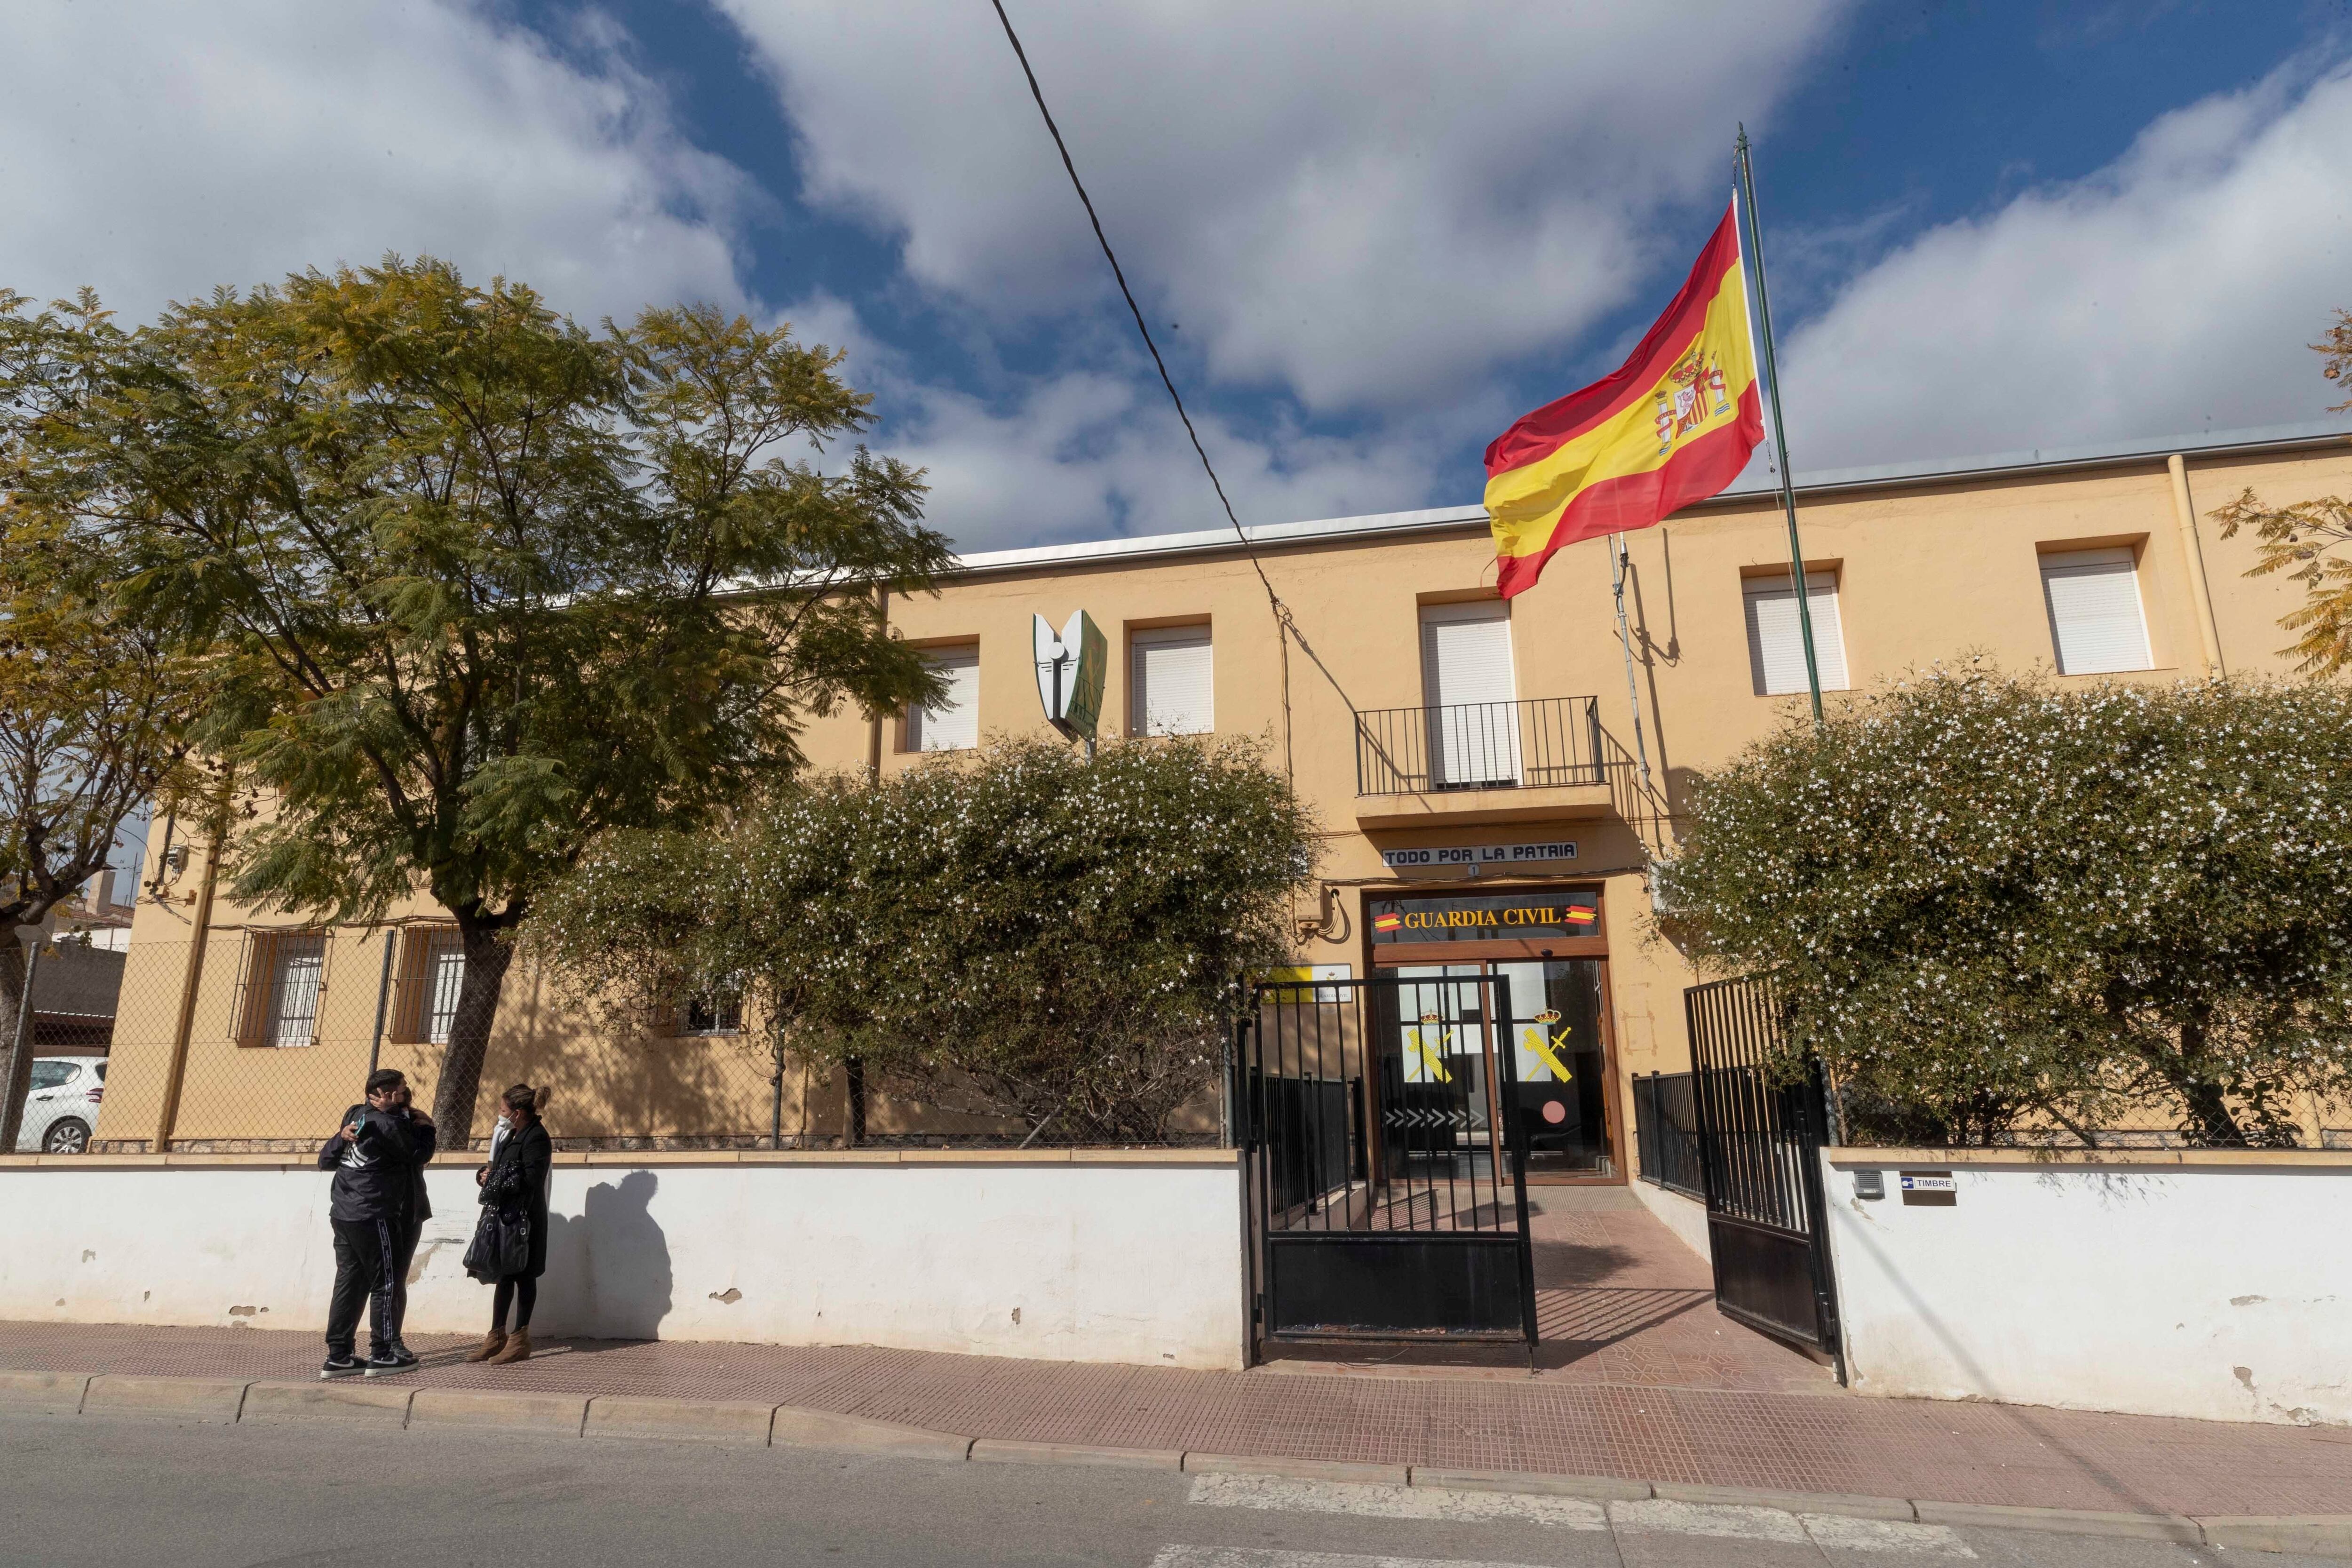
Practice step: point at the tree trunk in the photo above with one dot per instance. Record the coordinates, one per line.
(2208, 1109)
(17, 1081)
(487, 958)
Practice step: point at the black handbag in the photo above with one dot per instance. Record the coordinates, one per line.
(501, 1245)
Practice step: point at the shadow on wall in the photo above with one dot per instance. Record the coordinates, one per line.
(608, 1269)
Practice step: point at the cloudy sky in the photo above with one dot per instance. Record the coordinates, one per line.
(1369, 232)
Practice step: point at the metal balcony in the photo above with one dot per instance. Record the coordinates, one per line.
(1551, 742)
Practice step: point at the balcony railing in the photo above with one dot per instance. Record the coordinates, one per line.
(1546, 743)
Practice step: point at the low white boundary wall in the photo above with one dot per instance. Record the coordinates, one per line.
(1064, 1257)
(2217, 1286)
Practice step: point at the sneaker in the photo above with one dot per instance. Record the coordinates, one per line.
(342, 1366)
(385, 1363)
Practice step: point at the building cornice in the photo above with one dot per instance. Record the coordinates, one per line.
(1812, 485)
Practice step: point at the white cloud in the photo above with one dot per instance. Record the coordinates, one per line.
(1087, 454)
(156, 150)
(2170, 293)
(1365, 204)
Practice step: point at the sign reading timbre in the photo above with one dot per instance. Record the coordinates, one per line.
(1930, 1189)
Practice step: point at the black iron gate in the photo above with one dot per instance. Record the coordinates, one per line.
(1759, 1141)
(1386, 1143)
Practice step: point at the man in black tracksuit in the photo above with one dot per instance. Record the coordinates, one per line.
(378, 1209)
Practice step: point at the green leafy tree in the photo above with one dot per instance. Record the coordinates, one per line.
(1983, 899)
(94, 707)
(1024, 931)
(488, 583)
(2302, 540)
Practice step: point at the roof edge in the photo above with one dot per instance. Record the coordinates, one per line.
(1818, 482)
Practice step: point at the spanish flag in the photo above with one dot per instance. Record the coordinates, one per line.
(1673, 426)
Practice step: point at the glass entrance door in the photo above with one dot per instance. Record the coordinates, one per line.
(1438, 1075)
(1561, 1095)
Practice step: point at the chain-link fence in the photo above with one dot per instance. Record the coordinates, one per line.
(258, 1039)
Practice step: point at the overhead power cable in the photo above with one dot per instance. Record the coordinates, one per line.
(1285, 627)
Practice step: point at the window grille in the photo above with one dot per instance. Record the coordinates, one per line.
(712, 1015)
(283, 988)
(432, 972)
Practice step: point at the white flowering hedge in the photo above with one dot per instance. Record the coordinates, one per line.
(1989, 901)
(1016, 930)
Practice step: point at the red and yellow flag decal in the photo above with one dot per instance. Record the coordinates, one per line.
(1673, 426)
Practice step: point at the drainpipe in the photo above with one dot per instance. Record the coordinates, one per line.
(874, 724)
(2208, 630)
(169, 1121)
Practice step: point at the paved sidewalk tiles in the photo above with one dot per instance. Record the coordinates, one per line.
(1803, 1442)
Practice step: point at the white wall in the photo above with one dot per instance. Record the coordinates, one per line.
(1687, 1218)
(1074, 1262)
(2222, 1291)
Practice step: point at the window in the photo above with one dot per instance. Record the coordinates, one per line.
(285, 979)
(952, 723)
(2095, 622)
(1174, 686)
(1470, 690)
(432, 972)
(1775, 643)
(719, 1014)
(52, 1075)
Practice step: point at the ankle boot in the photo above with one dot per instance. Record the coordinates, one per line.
(517, 1348)
(492, 1344)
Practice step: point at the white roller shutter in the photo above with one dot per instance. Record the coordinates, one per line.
(2096, 623)
(952, 723)
(1175, 685)
(1775, 643)
(1470, 690)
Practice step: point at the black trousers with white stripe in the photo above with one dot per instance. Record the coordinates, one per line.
(372, 1257)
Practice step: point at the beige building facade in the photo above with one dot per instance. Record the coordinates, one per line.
(1490, 792)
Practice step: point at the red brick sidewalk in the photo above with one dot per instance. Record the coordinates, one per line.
(1800, 1441)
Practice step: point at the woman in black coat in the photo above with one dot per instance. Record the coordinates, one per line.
(515, 1184)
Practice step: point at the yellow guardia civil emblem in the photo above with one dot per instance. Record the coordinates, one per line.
(1538, 1041)
(1425, 1045)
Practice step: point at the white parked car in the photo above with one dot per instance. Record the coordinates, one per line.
(62, 1107)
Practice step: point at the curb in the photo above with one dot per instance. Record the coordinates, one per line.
(1299, 1469)
(212, 1400)
(43, 1392)
(698, 1420)
(224, 1401)
(796, 1426)
(353, 1402)
(1006, 1452)
(1846, 1505)
(2071, 1522)
(564, 1413)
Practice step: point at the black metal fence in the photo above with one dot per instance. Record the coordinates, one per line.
(1549, 741)
(1665, 1131)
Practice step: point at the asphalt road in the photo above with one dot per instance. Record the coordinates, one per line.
(93, 1489)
